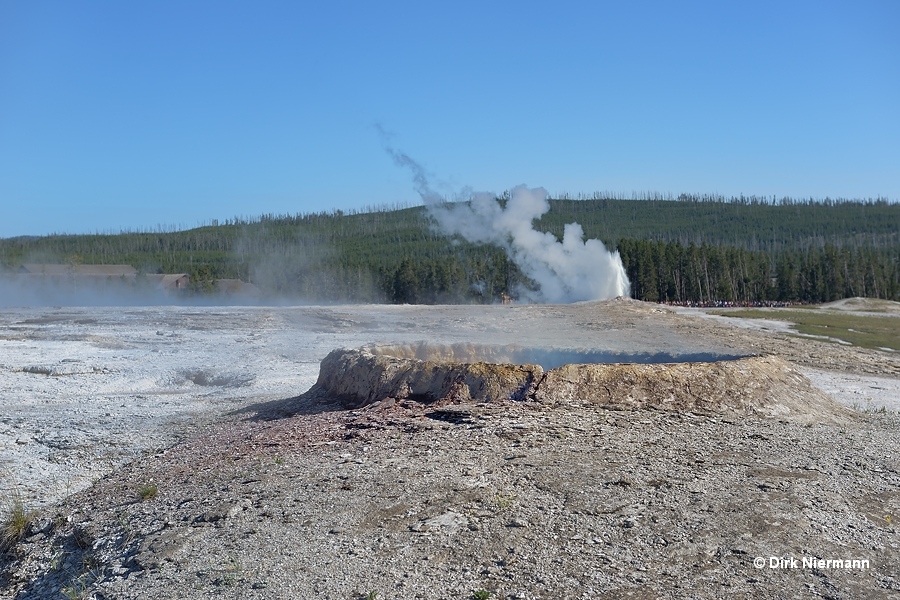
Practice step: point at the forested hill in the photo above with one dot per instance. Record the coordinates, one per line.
(687, 250)
(749, 223)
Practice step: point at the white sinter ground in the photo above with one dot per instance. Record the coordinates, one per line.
(84, 389)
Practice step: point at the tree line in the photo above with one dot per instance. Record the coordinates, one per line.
(681, 250)
(672, 272)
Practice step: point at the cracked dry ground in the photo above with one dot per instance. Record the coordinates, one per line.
(522, 500)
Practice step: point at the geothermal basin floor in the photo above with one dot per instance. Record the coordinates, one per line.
(365, 501)
(84, 389)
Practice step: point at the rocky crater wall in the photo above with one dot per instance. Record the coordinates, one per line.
(765, 386)
(547, 358)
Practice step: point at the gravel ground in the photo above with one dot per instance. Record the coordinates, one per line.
(523, 501)
(273, 495)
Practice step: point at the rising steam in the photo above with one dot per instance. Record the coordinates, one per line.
(566, 271)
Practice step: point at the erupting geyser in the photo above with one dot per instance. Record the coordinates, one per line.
(567, 270)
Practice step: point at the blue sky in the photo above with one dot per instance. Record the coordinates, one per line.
(127, 115)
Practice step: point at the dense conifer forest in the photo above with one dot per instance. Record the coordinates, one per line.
(690, 249)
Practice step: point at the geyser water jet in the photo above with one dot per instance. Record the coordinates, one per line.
(567, 270)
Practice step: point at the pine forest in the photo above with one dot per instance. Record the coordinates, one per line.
(689, 249)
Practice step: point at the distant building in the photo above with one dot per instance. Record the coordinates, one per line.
(171, 282)
(66, 283)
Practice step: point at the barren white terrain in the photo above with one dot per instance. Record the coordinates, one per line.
(99, 401)
(83, 389)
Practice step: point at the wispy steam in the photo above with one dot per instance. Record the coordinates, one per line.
(566, 270)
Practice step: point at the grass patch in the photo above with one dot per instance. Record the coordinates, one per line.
(503, 501)
(872, 332)
(15, 522)
(147, 491)
(80, 587)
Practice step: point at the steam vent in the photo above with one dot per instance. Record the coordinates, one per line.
(764, 386)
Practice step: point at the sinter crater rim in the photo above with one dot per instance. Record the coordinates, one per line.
(547, 358)
(762, 385)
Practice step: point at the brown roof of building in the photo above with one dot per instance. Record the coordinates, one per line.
(169, 280)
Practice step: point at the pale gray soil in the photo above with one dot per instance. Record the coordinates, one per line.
(274, 494)
(84, 389)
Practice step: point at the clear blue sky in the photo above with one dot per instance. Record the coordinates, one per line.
(128, 115)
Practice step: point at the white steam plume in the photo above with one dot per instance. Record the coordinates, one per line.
(566, 271)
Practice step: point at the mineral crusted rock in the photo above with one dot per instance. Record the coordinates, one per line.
(359, 377)
(761, 385)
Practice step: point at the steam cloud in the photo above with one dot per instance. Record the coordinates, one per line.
(569, 270)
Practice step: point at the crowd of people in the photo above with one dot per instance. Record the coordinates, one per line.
(732, 304)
